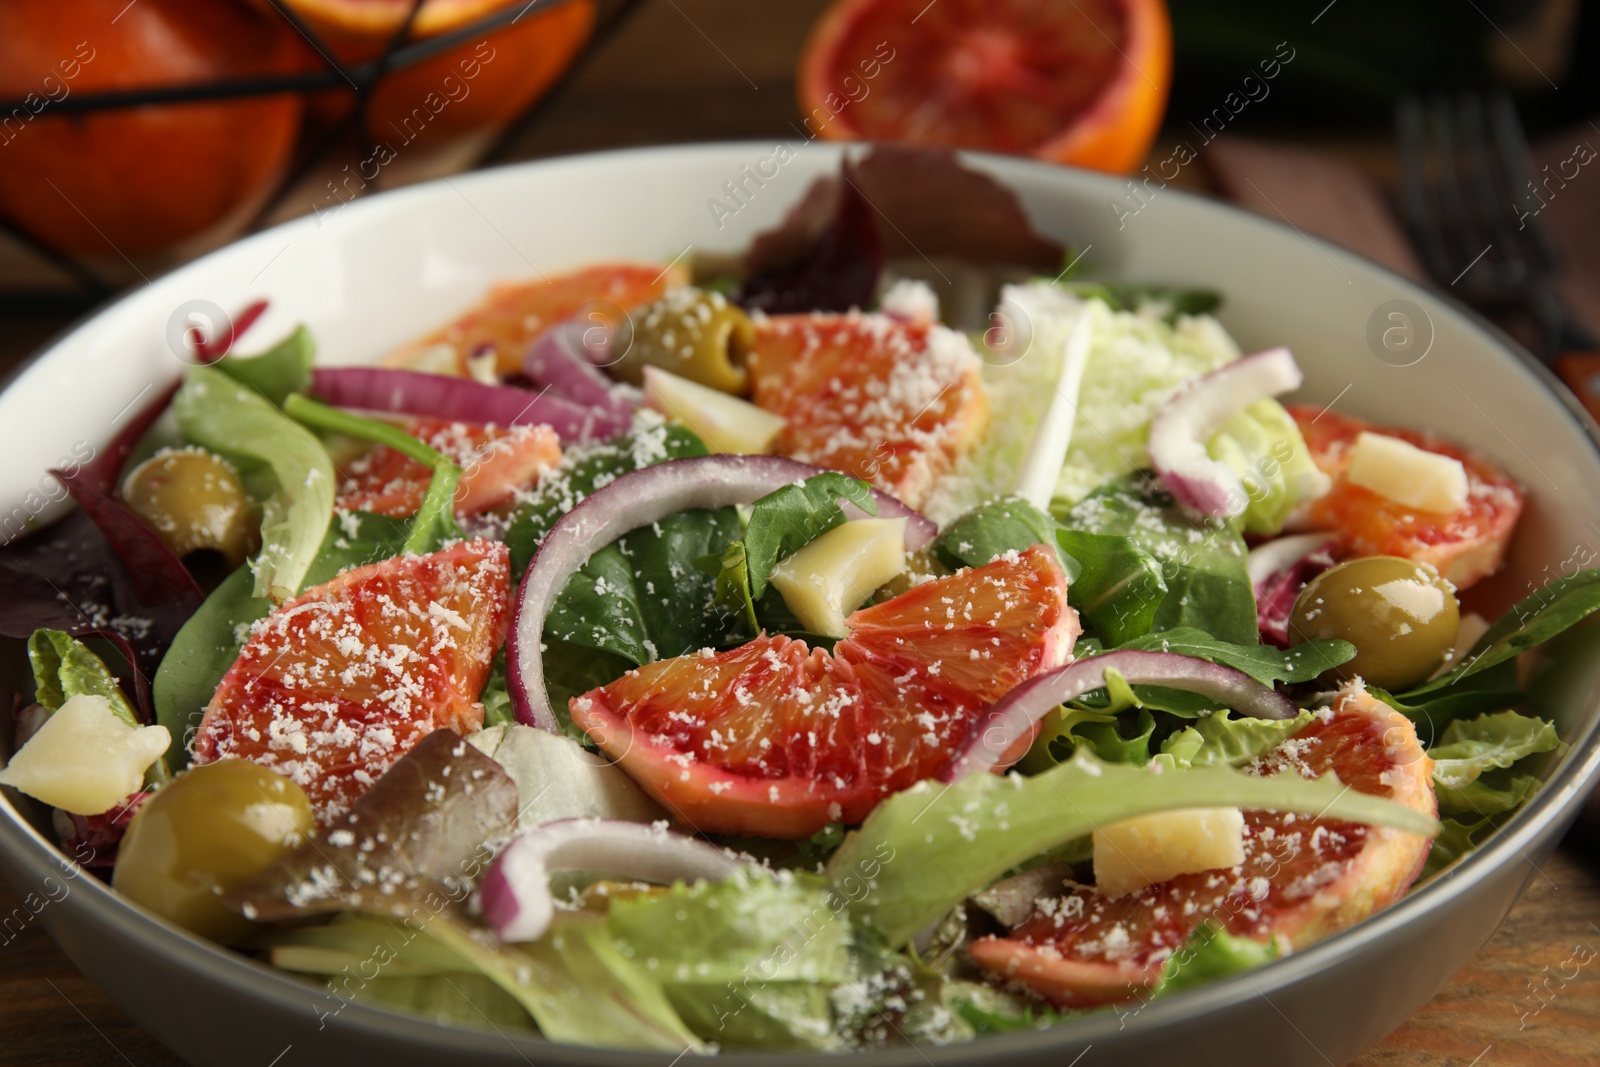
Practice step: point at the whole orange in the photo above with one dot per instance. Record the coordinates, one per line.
(132, 180)
(1082, 82)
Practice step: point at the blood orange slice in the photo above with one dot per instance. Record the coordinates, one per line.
(514, 313)
(1302, 879)
(337, 684)
(891, 403)
(776, 739)
(495, 462)
(1083, 83)
(1464, 547)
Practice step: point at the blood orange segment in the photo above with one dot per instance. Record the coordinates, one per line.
(337, 684)
(495, 462)
(1082, 83)
(888, 402)
(777, 739)
(1302, 879)
(1464, 546)
(514, 313)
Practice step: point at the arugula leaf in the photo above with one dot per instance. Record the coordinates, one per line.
(1492, 689)
(210, 641)
(1202, 563)
(1264, 663)
(1220, 738)
(787, 519)
(218, 413)
(896, 869)
(1211, 953)
(1118, 588)
(583, 470)
(985, 533)
(283, 369)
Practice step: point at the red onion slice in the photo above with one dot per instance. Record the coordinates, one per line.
(440, 396)
(639, 499)
(1180, 430)
(515, 893)
(1278, 570)
(1020, 710)
(551, 361)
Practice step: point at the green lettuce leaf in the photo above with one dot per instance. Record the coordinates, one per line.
(64, 667)
(896, 869)
(787, 519)
(1221, 739)
(1115, 737)
(1491, 793)
(218, 413)
(1457, 837)
(1211, 953)
(280, 371)
(1469, 747)
(1263, 446)
(1167, 302)
(496, 698)
(1202, 564)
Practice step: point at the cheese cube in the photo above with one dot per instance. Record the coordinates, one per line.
(84, 759)
(834, 575)
(1407, 474)
(1132, 854)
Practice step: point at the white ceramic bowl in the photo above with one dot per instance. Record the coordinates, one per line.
(381, 271)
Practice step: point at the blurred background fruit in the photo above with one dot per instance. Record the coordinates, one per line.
(130, 180)
(1083, 83)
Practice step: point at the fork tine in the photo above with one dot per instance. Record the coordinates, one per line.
(1461, 229)
(1517, 164)
(1508, 264)
(1415, 194)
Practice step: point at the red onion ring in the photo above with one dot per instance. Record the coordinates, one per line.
(638, 499)
(1278, 570)
(515, 892)
(1180, 430)
(552, 362)
(407, 392)
(1020, 710)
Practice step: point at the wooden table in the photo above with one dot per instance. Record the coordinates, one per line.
(686, 70)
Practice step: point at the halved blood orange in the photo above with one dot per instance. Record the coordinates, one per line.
(1464, 547)
(514, 313)
(776, 739)
(339, 683)
(1302, 879)
(1083, 83)
(891, 403)
(495, 462)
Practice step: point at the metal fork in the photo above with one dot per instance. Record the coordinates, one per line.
(1469, 195)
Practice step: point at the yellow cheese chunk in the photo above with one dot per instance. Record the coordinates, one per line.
(1407, 474)
(84, 759)
(836, 573)
(725, 423)
(1138, 852)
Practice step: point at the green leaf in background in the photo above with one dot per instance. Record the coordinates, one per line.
(1166, 301)
(583, 470)
(1211, 953)
(470, 1000)
(1263, 445)
(1457, 837)
(496, 698)
(281, 370)
(1220, 738)
(1118, 588)
(1488, 690)
(1473, 760)
(787, 519)
(1203, 564)
(1491, 793)
(1264, 663)
(896, 868)
(988, 1010)
(988, 532)
(218, 413)
(64, 667)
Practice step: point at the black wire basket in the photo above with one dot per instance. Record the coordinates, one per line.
(89, 286)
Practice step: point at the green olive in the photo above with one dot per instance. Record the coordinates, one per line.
(693, 333)
(1401, 616)
(194, 501)
(206, 831)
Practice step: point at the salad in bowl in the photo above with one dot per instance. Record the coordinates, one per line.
(869, 637)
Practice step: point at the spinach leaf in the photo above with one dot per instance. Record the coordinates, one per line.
(988, 532)
(283, 369)
(1264, 663)
(1202, 562)
(585, 469)
(787, 519)
(732, 589)
(1491, 689)
(1118, 587)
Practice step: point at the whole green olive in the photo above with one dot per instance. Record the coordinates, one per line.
(1401, 616)
(194, 501)
(206, 831)
(691, 332)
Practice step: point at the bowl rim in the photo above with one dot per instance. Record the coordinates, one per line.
(1556, 800)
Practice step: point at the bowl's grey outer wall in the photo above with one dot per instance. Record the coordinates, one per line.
(1322, 1006)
